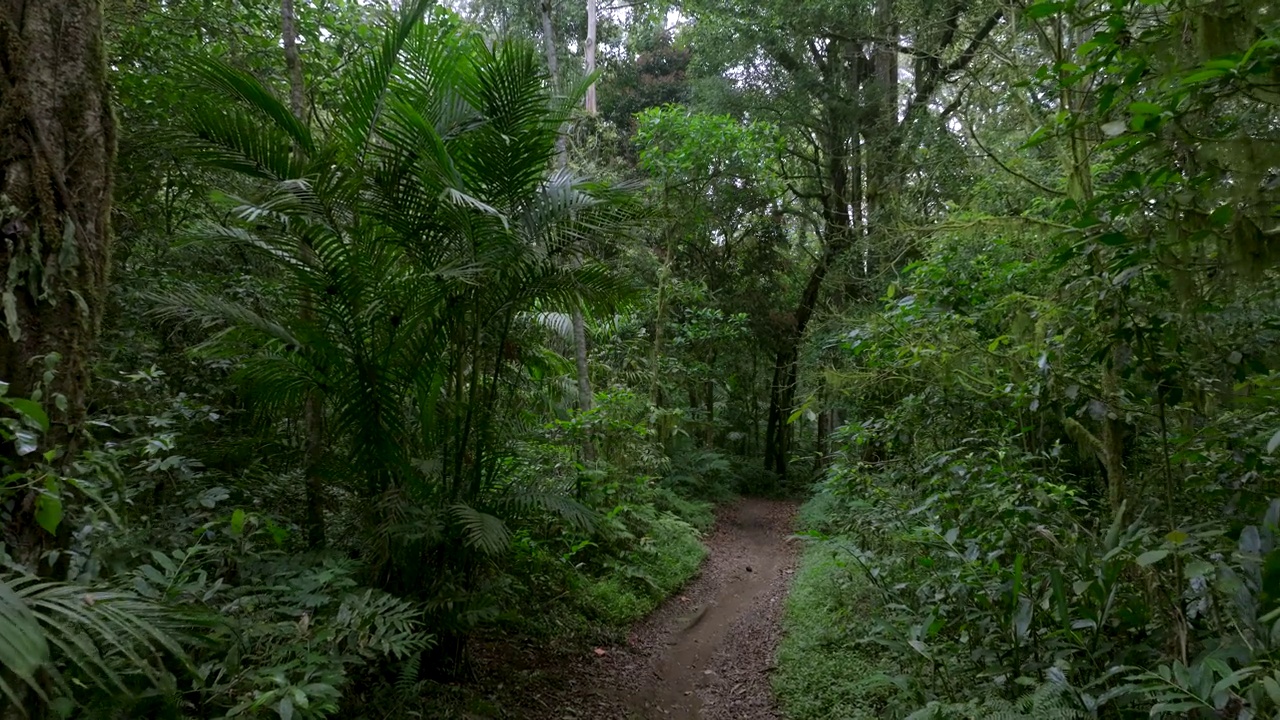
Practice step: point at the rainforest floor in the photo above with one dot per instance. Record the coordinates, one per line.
(705, 653)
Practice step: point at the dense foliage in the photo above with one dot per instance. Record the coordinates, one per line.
(405, 352)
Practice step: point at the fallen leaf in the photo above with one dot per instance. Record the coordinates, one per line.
(600, 652)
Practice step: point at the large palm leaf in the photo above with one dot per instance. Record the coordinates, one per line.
(54, 634)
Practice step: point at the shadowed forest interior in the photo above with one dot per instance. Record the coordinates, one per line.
(398, 359)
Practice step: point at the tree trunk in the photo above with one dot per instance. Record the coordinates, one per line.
(882, 148)
(774, 447)
(313, 407)
(585, 400)
(822, 440)
(293, 63)
(1080, 189)
(782, 393)
(836, 218)
(57, 144)
(591, 56)
(710, 400)
(553, 67)
(585, 395)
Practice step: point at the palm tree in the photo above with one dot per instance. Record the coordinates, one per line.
(422, 220)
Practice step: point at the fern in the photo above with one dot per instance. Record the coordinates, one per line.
(1048, 701)
(524, 502)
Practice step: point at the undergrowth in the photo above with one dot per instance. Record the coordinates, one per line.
(661, 563)
(825, 668)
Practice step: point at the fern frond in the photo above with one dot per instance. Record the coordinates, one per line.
(571, 511)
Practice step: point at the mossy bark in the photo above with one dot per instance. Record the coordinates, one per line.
(57, 144)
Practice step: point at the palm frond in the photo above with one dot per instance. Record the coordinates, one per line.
(248, 92)
(557, 322)
(364, 95)
(483, 531)
(192, 305)
(232, 139)
(524, 502)
(105, 638)
(24, 651)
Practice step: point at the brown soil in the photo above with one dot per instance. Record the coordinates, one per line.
(710, 650)
(706, 654)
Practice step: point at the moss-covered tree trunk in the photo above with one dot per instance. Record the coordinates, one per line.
(57, 143)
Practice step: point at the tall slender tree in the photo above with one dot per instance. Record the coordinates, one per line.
(562, 161)
(590, 56)
(313, 409)
(579, 323)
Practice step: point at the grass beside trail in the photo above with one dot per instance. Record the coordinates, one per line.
(826, 670)
(662, 563)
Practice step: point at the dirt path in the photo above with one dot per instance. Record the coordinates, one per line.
(707, 653)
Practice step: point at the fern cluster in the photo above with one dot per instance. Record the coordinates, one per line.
(1047, 701)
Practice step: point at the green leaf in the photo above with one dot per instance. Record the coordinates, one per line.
(1198, 568)
(1144, 108)
(285, 708)
(1043, 9)
(484, 532)
(1202, 76)
(10, 303)
(237, 522)
(49, 512)
(1273, 689)
(1022, 618)
(1152, 557)
(1274, 442)
(1233, 679)
(30, 410)
(1175, 707)
(919, 647)
(25, 441)
(23, 647)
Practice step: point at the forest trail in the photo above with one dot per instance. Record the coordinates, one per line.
(707, 653)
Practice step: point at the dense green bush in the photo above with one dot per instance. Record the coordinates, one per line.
(967, 546)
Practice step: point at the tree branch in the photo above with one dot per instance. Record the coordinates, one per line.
(927, 85)
(974, 136)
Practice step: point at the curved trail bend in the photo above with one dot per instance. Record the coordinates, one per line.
(707, 653)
